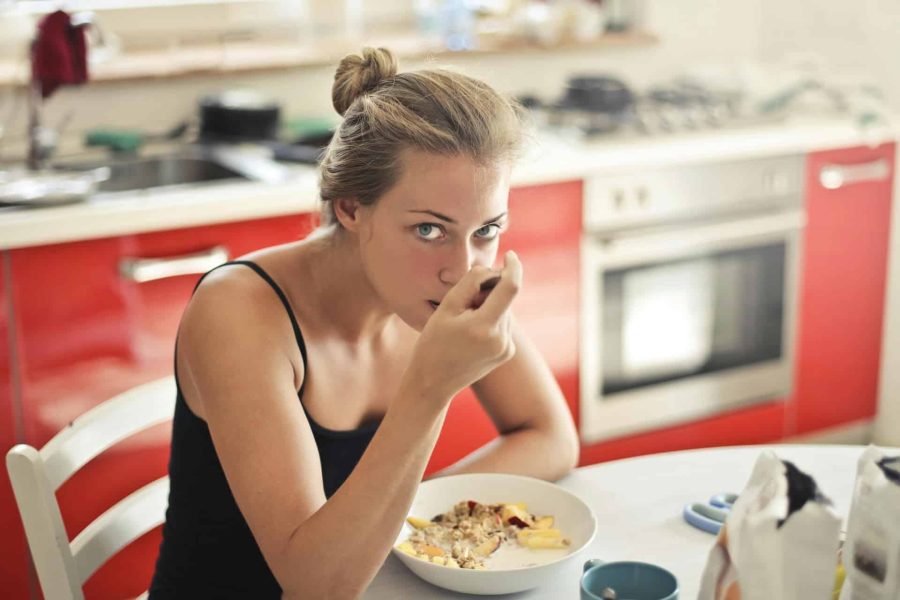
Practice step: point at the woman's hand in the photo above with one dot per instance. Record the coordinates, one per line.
(469, 335)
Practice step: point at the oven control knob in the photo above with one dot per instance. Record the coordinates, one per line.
(775, 183)
(618, 195)
(643, 196)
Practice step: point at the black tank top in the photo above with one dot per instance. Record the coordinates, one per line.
(207, 549)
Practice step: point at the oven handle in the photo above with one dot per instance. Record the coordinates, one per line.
(630, 250)
(833, 177)
(141, 270)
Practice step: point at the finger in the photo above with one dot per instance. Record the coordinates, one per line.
(461, 295)
(500, 298)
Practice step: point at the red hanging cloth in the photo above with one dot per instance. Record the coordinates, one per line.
(58, 54)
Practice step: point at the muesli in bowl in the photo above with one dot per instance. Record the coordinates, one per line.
(558, 525)
(469, 533)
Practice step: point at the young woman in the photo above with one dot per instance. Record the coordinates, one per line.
(314, 377)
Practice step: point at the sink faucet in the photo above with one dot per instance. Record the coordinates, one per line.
(42, 140)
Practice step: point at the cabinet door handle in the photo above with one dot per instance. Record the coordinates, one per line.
(140, 270)
(833, 177)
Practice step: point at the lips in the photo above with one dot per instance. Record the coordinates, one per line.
(434, 304)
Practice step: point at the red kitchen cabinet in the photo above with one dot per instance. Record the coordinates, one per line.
(755, 425)
(13, 549)
(545, 231)
(843, 286)
(83, 332)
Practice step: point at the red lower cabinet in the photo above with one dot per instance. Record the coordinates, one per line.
(85, 330)
(14, 563)
(843, 286)
(757, 425)
(544, 230)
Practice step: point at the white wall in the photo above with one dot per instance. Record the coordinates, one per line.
(859, 39)
(690, 32)
(887, 425)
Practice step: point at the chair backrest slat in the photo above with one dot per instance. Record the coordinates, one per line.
(106, 424)
(62, 567)
(128, 520)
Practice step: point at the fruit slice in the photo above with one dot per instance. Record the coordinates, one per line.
(445, 561)
(487, 547)
(512, 514)
(431, 550)
(406, 548)
(541, 543)
(527, 534)
(543, 523)
(418, 523)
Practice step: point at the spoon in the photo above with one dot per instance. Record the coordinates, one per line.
(484, 289)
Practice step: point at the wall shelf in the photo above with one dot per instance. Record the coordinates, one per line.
(185, 59)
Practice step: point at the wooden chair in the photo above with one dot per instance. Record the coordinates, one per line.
(62, 566)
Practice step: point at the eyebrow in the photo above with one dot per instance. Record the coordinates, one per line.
(449, 220)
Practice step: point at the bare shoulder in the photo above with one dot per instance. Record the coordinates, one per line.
(235, 322)
(231, 284)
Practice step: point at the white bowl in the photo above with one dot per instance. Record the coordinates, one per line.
(509, 569)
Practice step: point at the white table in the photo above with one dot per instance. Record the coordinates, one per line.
(638, 503)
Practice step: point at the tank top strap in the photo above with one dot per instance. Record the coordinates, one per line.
(281, 296)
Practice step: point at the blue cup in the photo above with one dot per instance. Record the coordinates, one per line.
(630, 580)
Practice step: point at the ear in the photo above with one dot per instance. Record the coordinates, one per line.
(348, 212)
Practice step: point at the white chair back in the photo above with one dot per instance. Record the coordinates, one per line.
(62, 566)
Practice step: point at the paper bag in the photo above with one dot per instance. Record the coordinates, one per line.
(779, 542)
(871, 553)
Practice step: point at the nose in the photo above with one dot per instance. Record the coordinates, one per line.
(459, 260)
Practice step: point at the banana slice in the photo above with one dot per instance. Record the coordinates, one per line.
(418, 523)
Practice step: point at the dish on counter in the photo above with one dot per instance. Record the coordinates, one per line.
(512, 566)
(468, 534)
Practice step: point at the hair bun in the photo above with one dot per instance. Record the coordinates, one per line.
(357, 75)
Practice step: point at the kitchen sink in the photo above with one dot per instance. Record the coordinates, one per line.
(163, 171)
(186, 166)
(158, 171)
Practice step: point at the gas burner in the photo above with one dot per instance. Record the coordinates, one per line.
(589, 122)
(679, 107)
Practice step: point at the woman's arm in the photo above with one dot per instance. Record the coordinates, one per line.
(537, 434)
(238, 369)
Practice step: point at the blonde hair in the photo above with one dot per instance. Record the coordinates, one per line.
(386, 112)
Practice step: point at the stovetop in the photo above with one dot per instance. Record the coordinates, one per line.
(680, 107)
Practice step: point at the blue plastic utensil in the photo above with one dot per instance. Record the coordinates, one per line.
(723, 500)
(709, 517)
(705, 517)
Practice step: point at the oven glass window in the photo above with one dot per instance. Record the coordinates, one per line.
(671, 320)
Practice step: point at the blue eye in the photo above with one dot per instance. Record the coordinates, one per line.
(428, 231)
(488, 232)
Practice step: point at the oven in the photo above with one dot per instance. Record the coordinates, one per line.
(689, 292)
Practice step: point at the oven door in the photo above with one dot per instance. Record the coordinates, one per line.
(685, 322)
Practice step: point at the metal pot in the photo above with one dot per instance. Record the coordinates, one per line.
(238, 116)
(597, 94)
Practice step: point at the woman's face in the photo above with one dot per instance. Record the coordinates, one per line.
(443, 217)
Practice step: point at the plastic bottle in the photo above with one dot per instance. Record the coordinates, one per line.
(457, 25)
